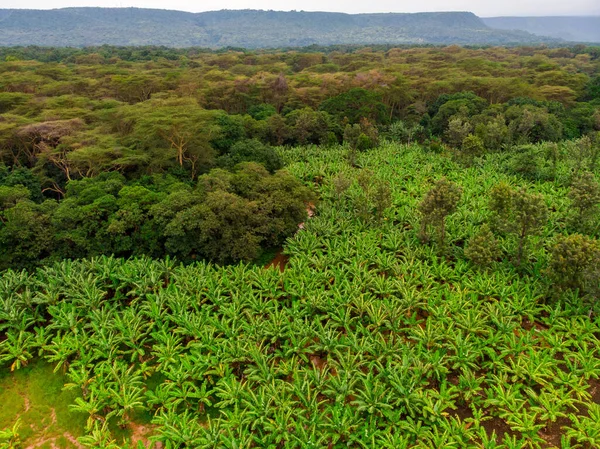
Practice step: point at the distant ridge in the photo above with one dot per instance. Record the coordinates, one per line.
(79, 27)
(576, 29)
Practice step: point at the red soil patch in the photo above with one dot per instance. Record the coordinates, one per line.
(553, 432)
(280, 261)
(140, 432)
(595, 390)
(463, 412)
(499, 426)
(318, 362)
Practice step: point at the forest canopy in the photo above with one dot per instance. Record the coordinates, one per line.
(98, 146)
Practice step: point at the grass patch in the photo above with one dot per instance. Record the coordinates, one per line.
(35, 394)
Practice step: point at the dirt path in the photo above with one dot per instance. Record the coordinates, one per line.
(53, 442)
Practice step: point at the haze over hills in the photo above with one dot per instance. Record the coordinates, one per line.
(245, 28)
(578, 29)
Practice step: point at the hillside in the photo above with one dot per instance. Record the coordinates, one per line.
(246, 28)
(578, 29)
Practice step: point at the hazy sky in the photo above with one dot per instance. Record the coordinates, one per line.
(482, 8)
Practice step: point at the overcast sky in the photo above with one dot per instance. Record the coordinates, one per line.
(483, 8)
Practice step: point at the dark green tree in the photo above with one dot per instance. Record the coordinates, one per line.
(251, 151)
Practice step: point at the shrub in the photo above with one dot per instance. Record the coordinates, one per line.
(437, 204)
(482, 249)
(472, 147)
(585, 197)
(574, 264)
(519, 213)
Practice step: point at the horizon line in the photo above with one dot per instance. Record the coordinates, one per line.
(301, 10)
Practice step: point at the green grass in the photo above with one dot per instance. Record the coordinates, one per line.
(35, 395)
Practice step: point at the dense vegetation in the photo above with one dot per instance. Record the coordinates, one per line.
(445, 293)
(368, 338)
(246, 28)
(97, 146)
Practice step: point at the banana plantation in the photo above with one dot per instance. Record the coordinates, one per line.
(431, 302)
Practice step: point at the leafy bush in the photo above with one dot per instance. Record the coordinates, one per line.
(574, 264)
(437, 204)
(483, 249)
(519, 213)
(585, 197)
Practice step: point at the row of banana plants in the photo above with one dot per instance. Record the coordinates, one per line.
(368, 338)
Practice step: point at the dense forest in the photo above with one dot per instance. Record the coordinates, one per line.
(442, 293)
(81, 27)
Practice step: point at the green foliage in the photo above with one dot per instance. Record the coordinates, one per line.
(356, 105)
(341, 183)
(531, 124)
(472, 147)
(364, 333)
(585, 197)
(10, 196)
(527, 162)
(593, 88)
(226, 218)
(375, 195)
(9, 438)
(531, 215)
(114, 151)
(26, 234)
(440, 202)
(382, 198)
(174, 131)
(262, 111)
(462, 105)
(501, 204)
(574, 264)
(251, 151)
(400, 131)
(518, 212)
(10, 100)
(21, 177)
(457, 131)
(308, 126)
(494, 133)
(231, 131)
(483, 249)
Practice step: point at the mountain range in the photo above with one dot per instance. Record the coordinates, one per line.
(78, 27)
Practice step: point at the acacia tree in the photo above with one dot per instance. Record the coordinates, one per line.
(179, 126)
(44, 138)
